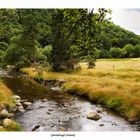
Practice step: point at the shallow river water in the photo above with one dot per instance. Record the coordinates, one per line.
(61, 110)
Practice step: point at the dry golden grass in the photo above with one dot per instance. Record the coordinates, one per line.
(5, 99)
(114, 83)
(5, 94)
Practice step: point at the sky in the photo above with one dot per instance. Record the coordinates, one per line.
(127, 18)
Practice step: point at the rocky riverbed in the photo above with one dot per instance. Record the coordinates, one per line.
(50, 109)
(7, 113)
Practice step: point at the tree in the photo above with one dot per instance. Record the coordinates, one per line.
(8, 18)
(74, 27)
(137, 50)
(60, 51)
(15, 56)
(22, 50)
(130, 50)
(28, 39)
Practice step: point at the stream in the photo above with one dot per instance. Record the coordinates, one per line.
(60, 110)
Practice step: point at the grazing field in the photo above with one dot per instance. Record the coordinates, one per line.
(115, 83)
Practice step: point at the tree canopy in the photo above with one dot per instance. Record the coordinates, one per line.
(62, 37)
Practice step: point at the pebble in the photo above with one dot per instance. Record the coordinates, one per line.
(20, 107)
(21, 110)
(16, 97)
(44, 100)
(5, 114)
(27, 103)
(50, 110)
(18, 104)
(48, 113)
(101, 124)
(99, 111)
(23, 100)
(36, 127)
(62, 129)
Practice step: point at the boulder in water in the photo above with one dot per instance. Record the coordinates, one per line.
(62, 129)
(93, 116)
(36, 127)
(21, 110)
(18, 103)
(5, 114)
(25, 100)
(99, 111)
(16, 97)
(7, 122)
(27, 104)
(20, 107)
(44, 100)
(101, 124)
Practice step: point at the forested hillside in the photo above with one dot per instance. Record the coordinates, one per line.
(52, 35)
(117, 42)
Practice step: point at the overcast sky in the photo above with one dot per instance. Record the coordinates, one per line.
(127, 18)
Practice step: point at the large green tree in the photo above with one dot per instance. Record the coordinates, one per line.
(22, 50)
(74, 26)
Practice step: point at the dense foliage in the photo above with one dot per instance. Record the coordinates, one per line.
(62, 37)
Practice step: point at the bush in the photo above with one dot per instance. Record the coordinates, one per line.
(15, 56)
(130, 50)
(137, 50)
(91, 61)
(97, 53)
(105, 53)
(47, 51)
(115, 52)
(39, 55)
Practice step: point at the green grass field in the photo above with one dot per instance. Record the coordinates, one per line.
(115, 83)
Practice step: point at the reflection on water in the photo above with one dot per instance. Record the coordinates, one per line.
(60, 110)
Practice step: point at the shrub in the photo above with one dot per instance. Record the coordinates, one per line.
(115, 52)
(129, 49)
(137, 50)
(47, 51)
(15, 56)
(97, 53)
(39, 55)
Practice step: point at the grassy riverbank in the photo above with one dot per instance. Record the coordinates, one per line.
(115, 83)
(5, 95)
(6, 100)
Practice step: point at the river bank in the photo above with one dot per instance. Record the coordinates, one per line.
(7, 105)
(55, 110)
(116, 89)
(10, 106)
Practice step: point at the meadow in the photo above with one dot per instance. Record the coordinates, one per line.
(114, 83)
